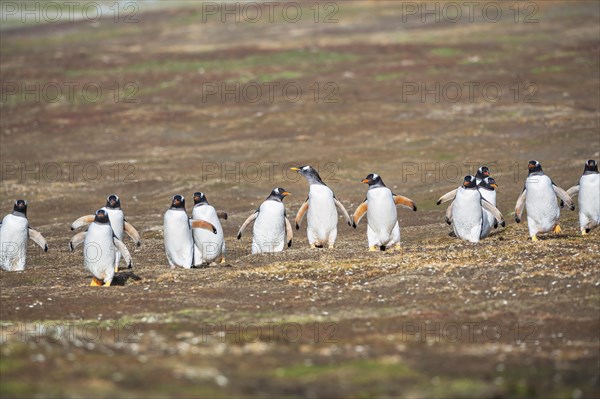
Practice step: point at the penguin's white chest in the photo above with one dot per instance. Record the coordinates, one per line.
(179, 244)
(268, 234)
(210, 244)
(322, 215)
(467, 214)
(541, 204)
(99, 251)
(382, 215)
(13, 242)
(117, 219)
(589, 199)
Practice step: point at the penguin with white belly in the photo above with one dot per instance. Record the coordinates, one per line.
(482, 173)
(117, 222)
(14, 232)
(320, 207)
(383, 229)
(99, 247)
(539, 198)
(208, 247)
(468, 211)
(177, 232)
(272, 229)
(588, 190)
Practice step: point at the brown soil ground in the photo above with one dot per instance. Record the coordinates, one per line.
(442, 318)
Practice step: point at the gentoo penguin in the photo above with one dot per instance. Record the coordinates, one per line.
(208, 247)
(177, 231)
(482, 173)
(117, 222)
(383, 230)
(321, 206)
(14, 231)
(467, 211)
(539, 197)
(487, 188)
(589, 197)
(99, 246)
(272, 229)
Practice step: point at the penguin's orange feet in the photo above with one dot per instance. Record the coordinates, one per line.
(107, 284)
(330, 246)
(583, 232)
(373, 248)
(557, 229)
(222, 259)
(95, 282)
(534, 238)
(116, 269)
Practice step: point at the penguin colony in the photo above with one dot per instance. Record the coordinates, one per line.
(199, 240)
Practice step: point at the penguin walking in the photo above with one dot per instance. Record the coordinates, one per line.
(321, 207)
(487, 188)
(208, 247)
(468, 211)
(100, 244)
(383, 229)
(117, 222)
(482, 173)
(272, 229)
(177, 232)
(14, 232)
(588, 190)
(539, 198)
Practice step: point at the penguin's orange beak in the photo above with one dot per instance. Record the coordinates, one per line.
(295, 169)
(365, 180)
(286, 193)
(494, 185)
(465, 183)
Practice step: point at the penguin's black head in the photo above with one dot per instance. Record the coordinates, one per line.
(178, 202)
(310, 173)
(101, 216)
(20, 206)
(591, 166)
(200, 198)
(113, 201)
(483, 172)
(469, 182)
(278, 194)
(534, 166)
(373, 179)
(488, 183)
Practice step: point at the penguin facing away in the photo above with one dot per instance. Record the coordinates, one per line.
(177, 232)
(272, 229)
(487, 188)
(468, 211)
(482, 173)
(208, 247)
(99, 246)
(117, 221)
(539, 199)
(588, 190)
(14, 232)
(320, 208)
(383, 229)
